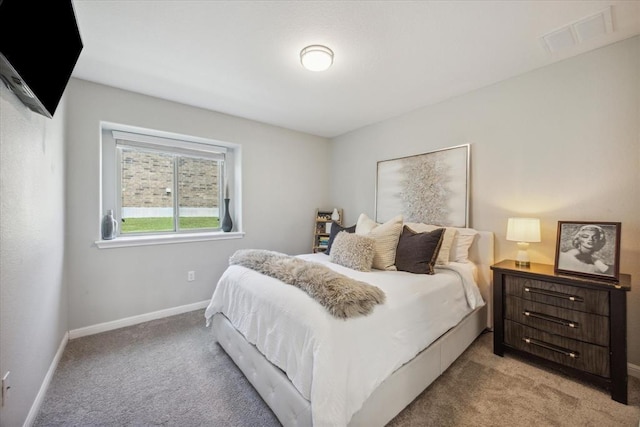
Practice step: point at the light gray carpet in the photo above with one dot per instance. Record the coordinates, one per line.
(164, 372)
(171, 372)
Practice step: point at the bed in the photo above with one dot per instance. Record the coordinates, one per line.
(312, 369)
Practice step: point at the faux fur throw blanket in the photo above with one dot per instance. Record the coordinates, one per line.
(342, 296)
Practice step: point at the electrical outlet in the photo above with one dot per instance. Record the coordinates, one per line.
(191, 276)
(5, 387)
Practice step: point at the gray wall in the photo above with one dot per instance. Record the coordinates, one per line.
(558, 143)
(283, 183)
(33, 295)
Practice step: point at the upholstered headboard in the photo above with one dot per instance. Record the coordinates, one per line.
(481, 253)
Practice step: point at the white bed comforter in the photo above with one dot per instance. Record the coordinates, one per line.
(336, 364)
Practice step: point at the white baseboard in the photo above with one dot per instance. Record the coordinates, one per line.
(633, 370)
(134, 320)
(37, 403)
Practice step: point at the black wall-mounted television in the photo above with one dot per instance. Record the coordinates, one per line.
(39, 46)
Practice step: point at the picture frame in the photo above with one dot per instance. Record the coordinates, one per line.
(588, 249)
(432, 188)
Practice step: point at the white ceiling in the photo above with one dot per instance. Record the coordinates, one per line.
(391, 57)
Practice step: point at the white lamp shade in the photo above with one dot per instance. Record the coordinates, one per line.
(316, 57)
(523, 229)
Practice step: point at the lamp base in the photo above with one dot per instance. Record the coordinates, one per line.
(522, 259)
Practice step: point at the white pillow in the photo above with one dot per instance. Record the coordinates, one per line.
(386, 238)
(447, 239)
(364, 225)
(461, 243)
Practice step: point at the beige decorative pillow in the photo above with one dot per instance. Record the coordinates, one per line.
(352, 251)
(447, 240)
(386, 238)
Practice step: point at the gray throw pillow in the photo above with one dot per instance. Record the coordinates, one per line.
(353, 251)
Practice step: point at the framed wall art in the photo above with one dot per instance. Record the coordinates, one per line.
(432, 188)
(590, 249)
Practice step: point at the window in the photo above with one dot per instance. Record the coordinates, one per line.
(165, 186)
(168, 185)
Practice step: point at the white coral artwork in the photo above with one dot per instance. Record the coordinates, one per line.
(431, 188)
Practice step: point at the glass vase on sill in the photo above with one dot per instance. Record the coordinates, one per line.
(109, 226)
(227, 223)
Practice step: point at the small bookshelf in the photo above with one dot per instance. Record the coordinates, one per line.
(322, 228)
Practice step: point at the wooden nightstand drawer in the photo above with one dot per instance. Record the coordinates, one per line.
(576, 354)
(592, 328)
(571, 297)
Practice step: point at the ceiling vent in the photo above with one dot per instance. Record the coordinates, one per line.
(585, 29)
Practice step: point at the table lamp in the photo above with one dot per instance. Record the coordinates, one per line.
(523, 231)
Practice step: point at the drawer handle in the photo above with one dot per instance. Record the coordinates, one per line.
(574, 298)
(558, 320)
(570, 353)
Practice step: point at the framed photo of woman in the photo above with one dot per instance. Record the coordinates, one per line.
(590, 249)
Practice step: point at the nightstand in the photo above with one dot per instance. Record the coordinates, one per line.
(574, 324)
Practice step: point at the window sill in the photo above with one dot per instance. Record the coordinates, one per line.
(123, 242)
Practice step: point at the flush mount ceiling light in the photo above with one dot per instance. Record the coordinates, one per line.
(316, 57)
